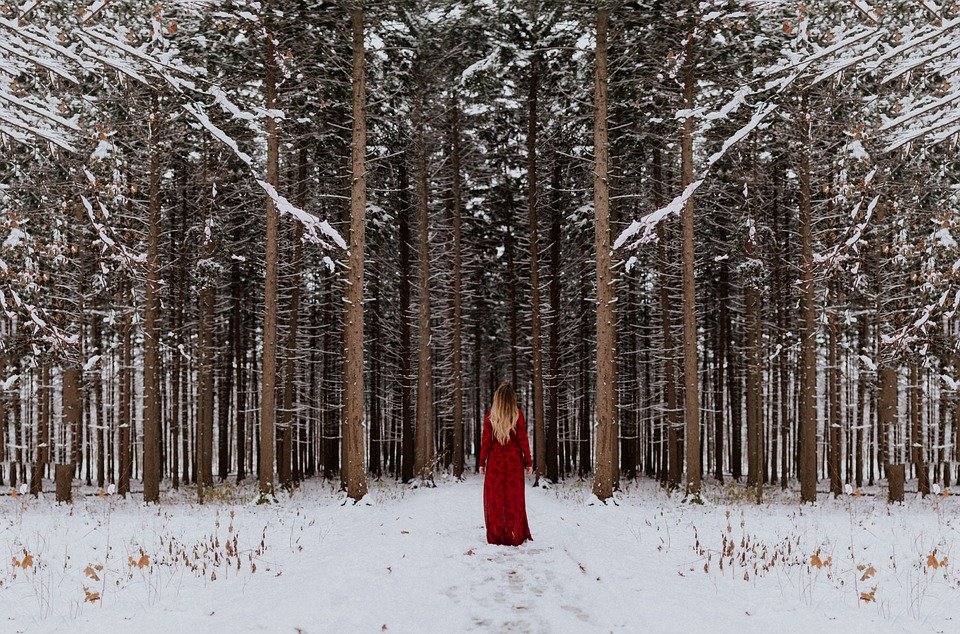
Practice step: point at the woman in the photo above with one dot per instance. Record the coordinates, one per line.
(504, 454)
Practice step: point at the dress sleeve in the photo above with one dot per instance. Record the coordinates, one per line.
(485, 441)
(524, 442)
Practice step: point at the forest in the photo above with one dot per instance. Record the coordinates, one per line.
(272, 241)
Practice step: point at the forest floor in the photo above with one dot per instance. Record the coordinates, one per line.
(416, 560)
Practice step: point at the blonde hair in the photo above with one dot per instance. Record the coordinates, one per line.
(504, 413)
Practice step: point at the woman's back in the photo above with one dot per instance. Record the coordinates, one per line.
(502, 464)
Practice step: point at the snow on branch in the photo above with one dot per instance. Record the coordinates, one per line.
(50, 136)
(197, 112)
(313, 225)
(120, 252)
(647, 224)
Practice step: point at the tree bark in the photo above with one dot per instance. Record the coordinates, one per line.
(808, 389)
(539, 430)
(605, 460)
(754, 404)
(151, 396)
(126, 397)
(918, 451)
(553, 421)
(457, 342)
(287, 417)
(423, 464)
(833, 370)
(268, 395)
(691, 392)
(406, 361)
(353, 422)
(674, 463)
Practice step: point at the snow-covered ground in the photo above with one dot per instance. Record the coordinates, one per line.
(415, 560)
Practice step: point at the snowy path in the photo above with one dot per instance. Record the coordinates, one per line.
(417, 561)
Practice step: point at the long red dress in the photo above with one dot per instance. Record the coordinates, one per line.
(504, 507)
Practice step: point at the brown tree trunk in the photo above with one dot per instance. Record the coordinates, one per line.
(406, 361)
(240, 356)
(376, 420)
(353, 422)
(151, 396)
(225, 398)
(423, 464)
(44, 419)
(553, 421)
(674, 461)
(268, 395)
(457, 300)
(605, 460)
(918, 450)
(126, 397)
(204, 433)
(72, 409)
(539, 430)
(836, 484)
(97, 389)
(808, 338)
(582, 456)
(286, 426)
(719, 353)
(754, 405)
(691, 393)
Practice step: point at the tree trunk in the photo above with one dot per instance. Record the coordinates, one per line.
(833, 369)
(126, 397)
(353, 422)
(918, 452)
(539, 430)
(691, 394)
(43, 433)
(268, 395)
(151, 396)
(72, 409)
(754, 405)
(423, 464)
(808, 389)
(457, 342)
(605, 460)
(97, 387)
(287, 417)
(203, 454)
(406, 361)
(674, 464)
(553, 421)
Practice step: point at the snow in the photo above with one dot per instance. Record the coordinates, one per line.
(856, 150)
(480, 66)
(314, 226)
(416, 560)
(14, 238)
(102, 150)
(648, 223)
(197, 112)
(945, 239)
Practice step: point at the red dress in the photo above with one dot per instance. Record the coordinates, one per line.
(504, 507)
